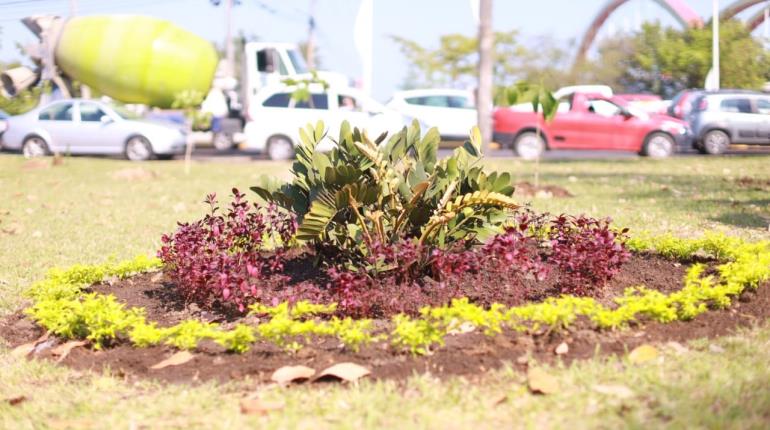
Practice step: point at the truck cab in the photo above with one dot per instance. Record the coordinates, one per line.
(269, 63)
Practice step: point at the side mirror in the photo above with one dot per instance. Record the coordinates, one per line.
(105, 119)
(626, 113)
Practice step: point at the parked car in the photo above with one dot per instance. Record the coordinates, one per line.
(453, 112)
(3, 123)
(275, 117)
(590, 121)
(650, 103)
(681, 104)
(719, 119)
(80, 126)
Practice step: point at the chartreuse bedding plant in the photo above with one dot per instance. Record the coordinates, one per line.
(62, 305)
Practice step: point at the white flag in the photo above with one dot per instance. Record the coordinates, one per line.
(362, 36)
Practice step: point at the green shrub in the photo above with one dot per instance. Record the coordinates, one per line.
(365, 192)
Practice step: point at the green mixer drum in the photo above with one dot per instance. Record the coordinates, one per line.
(135, 59)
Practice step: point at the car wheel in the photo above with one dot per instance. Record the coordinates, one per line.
(34, 146)
(715, 142)
(280, 148)
(138, 148)
(529, 145)
(222, 141)
(659, 145)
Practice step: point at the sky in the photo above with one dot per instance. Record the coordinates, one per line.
(287, 21)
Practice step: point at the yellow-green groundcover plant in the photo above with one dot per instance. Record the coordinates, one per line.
(61, 306)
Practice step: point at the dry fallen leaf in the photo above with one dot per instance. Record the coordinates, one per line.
(619, 391)
(497, 400)
(13, 228)
(259, 406)
(180, 357)
(63, 350)
(156, 277)
(288, 374)
(13, 401)
(349, 372)
(562, 349)
(23, 350)
(642, 354)
(27, 348)
(540, 382)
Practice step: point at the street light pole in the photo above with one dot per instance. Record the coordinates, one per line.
(229, 48)
(715, 42)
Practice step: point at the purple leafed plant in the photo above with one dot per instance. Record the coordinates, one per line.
(232, 256)
(587, 251)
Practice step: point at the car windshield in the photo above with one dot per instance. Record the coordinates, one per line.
(297, 61)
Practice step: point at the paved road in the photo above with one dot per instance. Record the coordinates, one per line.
(210, 154)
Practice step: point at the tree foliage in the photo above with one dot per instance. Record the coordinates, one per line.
(666, 60)
(453, 63)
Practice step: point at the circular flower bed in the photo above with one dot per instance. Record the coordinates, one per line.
(384, 254)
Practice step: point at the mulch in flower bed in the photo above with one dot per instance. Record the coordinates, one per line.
(469, 354)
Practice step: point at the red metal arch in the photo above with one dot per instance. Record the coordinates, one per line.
(756, 20)
(682, 12)
(737, 7)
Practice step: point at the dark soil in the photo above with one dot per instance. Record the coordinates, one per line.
(468, 354)
(526, 189)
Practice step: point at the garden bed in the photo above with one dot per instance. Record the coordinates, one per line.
(468, 354)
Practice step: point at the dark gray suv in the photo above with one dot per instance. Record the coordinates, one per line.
(719, 119)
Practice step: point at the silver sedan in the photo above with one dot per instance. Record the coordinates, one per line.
(91, 127)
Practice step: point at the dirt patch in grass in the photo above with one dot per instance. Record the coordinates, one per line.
(526, 189)
(756, 184)
(469, 354)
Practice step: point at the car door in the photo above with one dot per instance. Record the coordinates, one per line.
(97, 130)
(58, 122)
(571, 127)
(741, 121)
(605, 126)
(763, 120)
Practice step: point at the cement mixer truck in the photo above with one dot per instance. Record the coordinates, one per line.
(148, 61)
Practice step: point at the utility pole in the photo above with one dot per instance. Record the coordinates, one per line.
(715, 42)
(310, 47)
(486, 54)
(229, 48)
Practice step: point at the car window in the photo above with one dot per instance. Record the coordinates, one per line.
(57, 112)
(298, 62)
(266, 59)
(90, 112)
(459, 102)
(434, 101)
(348, 103)
(741, 105)
(603, 108)
(283, 100)
(763, 106)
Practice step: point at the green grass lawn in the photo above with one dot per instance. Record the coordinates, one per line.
(86, 211)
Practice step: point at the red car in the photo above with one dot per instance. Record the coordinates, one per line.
(590, 121)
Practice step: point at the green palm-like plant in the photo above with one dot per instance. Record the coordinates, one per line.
(365, 192)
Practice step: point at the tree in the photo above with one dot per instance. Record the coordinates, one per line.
(454, 62)
(485, 70)
(666, 60)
